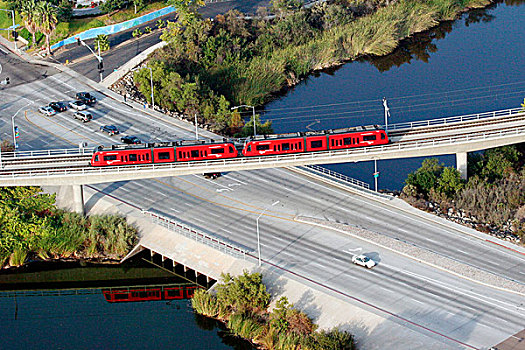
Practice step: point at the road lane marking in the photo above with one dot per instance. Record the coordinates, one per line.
(175, 210)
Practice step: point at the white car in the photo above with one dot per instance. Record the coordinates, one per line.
(79, 106)
(363, 260)
(46, 110)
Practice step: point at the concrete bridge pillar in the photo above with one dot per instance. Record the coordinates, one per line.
(78, 199)
(461, 164)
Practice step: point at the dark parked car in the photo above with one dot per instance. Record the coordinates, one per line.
(110, 129)
(212, 176)
(134, 140)
(58, 106)
(86, 97)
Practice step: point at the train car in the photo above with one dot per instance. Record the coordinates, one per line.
(357, 139)
(273, 146)
(149, 294)
(206, 151)
(314, 141)
(166, 152)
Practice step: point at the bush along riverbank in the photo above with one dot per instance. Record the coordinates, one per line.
(491, 201)
(33, 228)
(210, 65)
(242, 303)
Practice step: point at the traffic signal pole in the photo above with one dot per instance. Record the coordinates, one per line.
(100, 65)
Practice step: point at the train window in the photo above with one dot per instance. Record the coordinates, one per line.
(96, 158)
(163, 155)
(132, 157)
(231, 149)
(262, 147)
(347, 140)
(195, 153)
(147, 156)
(369, 138)
(114, 157)
(316, 144)
(120, 296)
(382, 136)
(217, 150)
(286, 146)
(249, 149)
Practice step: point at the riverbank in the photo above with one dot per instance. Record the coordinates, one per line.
(32, 227)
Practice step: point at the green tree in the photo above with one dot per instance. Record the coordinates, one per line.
(426, 177)
(47, 20)
(30, 17)
(187, 9)
(138, 3)
(450, 182)
(498, 162)
(102, 41)
(244, 293)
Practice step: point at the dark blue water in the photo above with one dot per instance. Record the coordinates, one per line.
(89, 322)
(471, 65)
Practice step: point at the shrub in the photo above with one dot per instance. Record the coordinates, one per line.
(243, 293)
(204, 303)
(136, 33)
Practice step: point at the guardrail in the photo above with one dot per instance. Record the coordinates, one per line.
(457, 119)
(225, 164)
(50, 152)
(339, 176)
(196, 235)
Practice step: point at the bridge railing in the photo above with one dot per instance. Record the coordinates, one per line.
(48, 153)
(339, 176)
(456, 119)
(271, 161)
(196, 235)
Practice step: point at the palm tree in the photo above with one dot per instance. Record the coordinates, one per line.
(102, 41)
(47, 20)
(29, 14)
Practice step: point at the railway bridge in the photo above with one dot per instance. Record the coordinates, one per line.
(453, 135)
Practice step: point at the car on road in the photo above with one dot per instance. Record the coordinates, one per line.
(212, 176)
(86, 98)
(58, 106)
(363, 260)
(133, 140)
(78, 105)
(110, 129)
(46, 110)
(83, 115)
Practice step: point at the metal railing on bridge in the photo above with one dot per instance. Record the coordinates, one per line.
(456, 119)
(339, 176)
(196, 235)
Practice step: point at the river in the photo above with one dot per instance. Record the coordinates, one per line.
(473, 64)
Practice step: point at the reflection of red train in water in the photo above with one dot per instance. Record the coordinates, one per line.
(149, 294)
(266, 145)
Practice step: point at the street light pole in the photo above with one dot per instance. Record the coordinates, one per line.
(387, 112)
(257, 225)
(13, 125)
(253, 116)
(151, 80)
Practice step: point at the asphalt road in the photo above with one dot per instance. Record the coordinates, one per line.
(19, 71)
(454, 310)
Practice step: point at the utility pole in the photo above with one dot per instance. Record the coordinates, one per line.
(196, 128)
(387, 112)
(253, 116)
